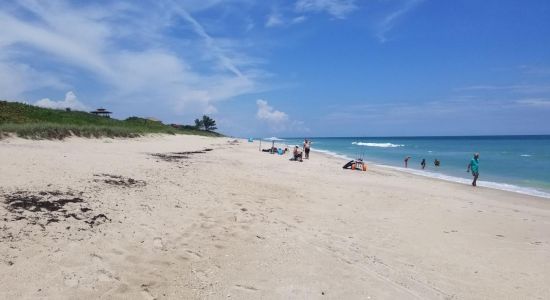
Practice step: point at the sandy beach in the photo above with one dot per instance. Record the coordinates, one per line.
(187, 217)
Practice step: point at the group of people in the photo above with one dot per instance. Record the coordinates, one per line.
(473, 166)
(274, 150)
(437, 163)
(298, 154)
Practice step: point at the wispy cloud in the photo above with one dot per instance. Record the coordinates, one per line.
(210, 42)
(390, 20)
(535, 70)
(339, 9)
(126, 49)
(274, 19)
(277, 19)
(298, 19)
(17, 78)
(535, 102)
(517, 88)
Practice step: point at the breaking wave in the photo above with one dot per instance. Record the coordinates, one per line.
(379, 145)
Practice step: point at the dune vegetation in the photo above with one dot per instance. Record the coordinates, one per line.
(28, 121)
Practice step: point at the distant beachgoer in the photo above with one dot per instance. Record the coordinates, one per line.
(474, 166)
(437, 162)
(307, 146)
(353, 164)
(423, 163)
(270, 150)
(296, 154)
(407, 161)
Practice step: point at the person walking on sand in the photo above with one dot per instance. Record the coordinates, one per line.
(474, 166)
(407, 161)
(423, 163)
(307, 146)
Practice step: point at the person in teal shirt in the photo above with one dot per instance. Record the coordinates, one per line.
(474, 166)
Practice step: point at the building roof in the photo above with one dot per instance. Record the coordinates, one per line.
(101, 111)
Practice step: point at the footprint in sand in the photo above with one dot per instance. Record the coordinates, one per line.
(147, 294)
(157, 243)
(196, 254)
(96, 259)
(105, 276)
(71, 280)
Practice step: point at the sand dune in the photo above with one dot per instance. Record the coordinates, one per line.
(161, 218)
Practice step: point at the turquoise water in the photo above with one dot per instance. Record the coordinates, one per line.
(517, 163)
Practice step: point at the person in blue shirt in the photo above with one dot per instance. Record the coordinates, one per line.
(474, 166)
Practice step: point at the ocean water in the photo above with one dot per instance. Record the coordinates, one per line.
(514, 163)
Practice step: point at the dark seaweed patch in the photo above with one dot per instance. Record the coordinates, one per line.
(47, 207)
(176, 156)
(35, 203)
(170, 157)
(119, 180)
(98, 219)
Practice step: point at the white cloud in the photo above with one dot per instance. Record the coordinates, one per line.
(277, 120)
(337, 8)
(71, 101)
(299, 19)
(123, 48)
(16, 78)
(211, 44)
(269, 114)
(389, 21)
(274, 20)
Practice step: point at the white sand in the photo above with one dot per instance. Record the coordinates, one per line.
(237, 223)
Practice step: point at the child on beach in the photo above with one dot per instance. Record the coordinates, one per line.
(423, 163)
(474, 166)
(407, 161)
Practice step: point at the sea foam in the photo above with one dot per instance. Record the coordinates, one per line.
(488, 184)
(379, 145)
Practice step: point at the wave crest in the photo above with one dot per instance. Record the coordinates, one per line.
(379, 145)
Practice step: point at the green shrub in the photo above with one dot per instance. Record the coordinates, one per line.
(33, 122)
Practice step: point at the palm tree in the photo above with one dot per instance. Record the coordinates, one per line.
(199, 124)
(208, 123)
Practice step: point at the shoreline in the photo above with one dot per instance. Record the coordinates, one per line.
(529, 191)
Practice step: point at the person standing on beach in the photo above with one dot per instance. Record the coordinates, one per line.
(307, 146)
(423, 163)
(474, 166)
(407, 161)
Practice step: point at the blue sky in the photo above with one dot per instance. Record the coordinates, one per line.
(288, 68)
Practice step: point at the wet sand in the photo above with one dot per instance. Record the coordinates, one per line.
(170, 217)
